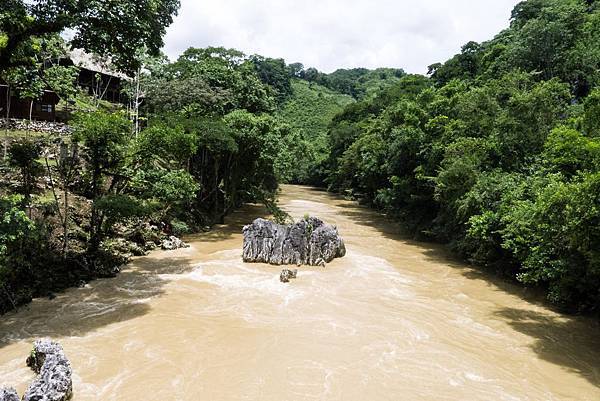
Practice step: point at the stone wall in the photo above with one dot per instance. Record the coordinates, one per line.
(37, 126)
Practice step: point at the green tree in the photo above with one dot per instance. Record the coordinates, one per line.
(274, 73)
(208, 82)
(15, 226)
(569, 152)
(105, 139)
(496, 154)
(113, 29)
(591, 119)
(24, 156)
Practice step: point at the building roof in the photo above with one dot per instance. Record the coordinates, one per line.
(94, 63)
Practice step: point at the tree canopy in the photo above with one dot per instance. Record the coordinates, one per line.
(496, 153)
(114, 29)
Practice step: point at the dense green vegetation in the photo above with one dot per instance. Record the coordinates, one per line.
(309, 104)
(360, 83)
(115, 29)
(498, 153)
(211, 143)
(309, 111)
(50, 240)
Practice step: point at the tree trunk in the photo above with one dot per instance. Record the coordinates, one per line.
(65, 247)
(67, 177)
(137, 103)
(216, 190)
(27, 189)
(95, 219)
(30, 117)
(7, 121)
(227, 187)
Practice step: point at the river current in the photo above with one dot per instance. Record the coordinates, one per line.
(392, 320)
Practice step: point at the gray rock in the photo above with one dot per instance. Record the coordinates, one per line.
(286, 275)
(8, 394)
(172, 243)
(307, 242)
(53, 382)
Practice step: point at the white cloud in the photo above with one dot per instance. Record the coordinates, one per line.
(331, 34)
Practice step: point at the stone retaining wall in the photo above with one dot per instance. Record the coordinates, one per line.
(37, 126)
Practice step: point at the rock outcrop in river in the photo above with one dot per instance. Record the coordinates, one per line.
(53, 382)
(307, 242)
(8, 394)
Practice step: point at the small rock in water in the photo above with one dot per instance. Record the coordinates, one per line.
(8, 394)
(172, 243)
(287, 274)
(307, 242)
(53, 382)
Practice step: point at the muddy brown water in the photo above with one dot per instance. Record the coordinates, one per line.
(393, 320)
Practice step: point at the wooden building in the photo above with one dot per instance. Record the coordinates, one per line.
(43, 108)
(95, 77)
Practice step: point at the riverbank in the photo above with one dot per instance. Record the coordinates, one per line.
(392, 318)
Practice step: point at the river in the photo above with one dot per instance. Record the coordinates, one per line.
(392, 320)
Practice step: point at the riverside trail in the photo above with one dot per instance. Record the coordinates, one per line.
(392, 320)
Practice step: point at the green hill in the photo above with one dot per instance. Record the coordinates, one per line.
(309, 111)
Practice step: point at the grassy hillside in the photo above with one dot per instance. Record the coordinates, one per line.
(309, 112)
(312, 107)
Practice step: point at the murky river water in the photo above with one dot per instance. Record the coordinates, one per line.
(393, 320)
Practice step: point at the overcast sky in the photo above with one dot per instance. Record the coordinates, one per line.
(332, 34)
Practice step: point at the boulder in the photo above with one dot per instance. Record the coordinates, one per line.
(307, 242)
(53, 382)
(287, 274)
(8, 394)
(172, 243)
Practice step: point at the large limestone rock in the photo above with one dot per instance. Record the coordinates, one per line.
(307, 242)
(8, 394)
(53, 382)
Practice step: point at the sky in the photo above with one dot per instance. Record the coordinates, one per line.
(332, 34)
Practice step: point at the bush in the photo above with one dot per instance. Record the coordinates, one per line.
(556, 237)
(179, 228)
